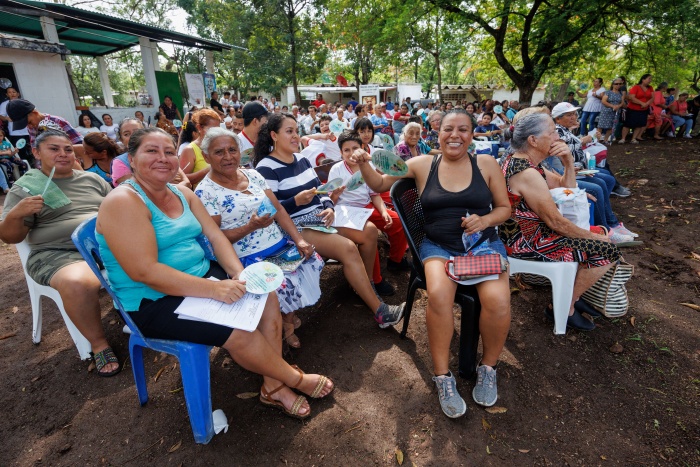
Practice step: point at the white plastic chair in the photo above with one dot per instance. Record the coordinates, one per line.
(36, 291)
(562, 276)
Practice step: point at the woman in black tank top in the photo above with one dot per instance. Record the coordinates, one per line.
(451, 185)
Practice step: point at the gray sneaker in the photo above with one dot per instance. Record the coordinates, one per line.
(451, 402)
(388, 315)
(485, 392)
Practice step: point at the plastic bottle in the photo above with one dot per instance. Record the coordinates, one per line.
(469, 240)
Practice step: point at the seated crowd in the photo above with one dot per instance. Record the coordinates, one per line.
(155, 191)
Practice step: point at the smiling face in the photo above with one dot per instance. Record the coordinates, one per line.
(324, 125)
(56, 151)
(12, 93)
(287, 138)
(224, 156)
(155, 159)
(435, 122)
(470, 108)
(455, 135)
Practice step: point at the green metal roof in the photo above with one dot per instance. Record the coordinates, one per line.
(89, 33)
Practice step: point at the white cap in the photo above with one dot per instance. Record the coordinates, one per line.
(563, 108)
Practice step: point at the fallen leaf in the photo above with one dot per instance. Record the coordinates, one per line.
(632, 320)
(514, 290)
(91, 367)
(488, 451)
(175, 447)
(616, 348)
(485, 425)
(227, 362)
(15, 309)
(642, 181)
(399, 456)
(631, 215)
(692, 305)
(247, 395)
(35, 379)
(160, 372)
(692, 255)
(113, 322)
(524, 451)
(496, 409)
(175, 390)
(604, 458)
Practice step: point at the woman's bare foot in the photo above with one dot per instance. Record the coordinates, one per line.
(316, 386)
(288, 398)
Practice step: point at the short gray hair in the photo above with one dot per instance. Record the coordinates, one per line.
(530, 125)
(217, 132)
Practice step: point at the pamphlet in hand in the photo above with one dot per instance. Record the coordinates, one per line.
(351, 217)
(243, 314)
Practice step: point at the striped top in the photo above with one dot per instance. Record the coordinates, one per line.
(286, 180)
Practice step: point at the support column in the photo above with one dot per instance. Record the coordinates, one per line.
(154, 51)
(48, 28)
(104, 81)
(149, 70)
(209, 61)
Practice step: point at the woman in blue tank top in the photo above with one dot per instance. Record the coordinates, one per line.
(147, 231)
(460, 193)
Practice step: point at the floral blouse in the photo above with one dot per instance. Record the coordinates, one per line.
(236, 208)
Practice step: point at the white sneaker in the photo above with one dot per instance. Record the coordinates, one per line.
(625, 231)
(687, 136)
(617, 237)
(671, 134)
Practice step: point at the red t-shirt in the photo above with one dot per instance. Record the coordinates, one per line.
(318, 103)
(398, 115)
(641, 95)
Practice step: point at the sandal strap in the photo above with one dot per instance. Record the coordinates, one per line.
(319, 387)
(298, 402)
(266, 395)
(301, 376)
(104, 357)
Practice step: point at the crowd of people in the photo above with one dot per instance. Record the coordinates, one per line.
(157, 188)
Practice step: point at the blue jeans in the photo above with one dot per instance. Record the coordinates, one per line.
(680, 121)
(3, 180)
(602, 209)
(588, 122)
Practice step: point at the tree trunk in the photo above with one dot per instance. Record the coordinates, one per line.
(73, 87)
(293, 54)
(527, 89)
(562, 90)
(439, 76)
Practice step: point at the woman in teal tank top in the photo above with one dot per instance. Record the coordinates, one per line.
(147, 231)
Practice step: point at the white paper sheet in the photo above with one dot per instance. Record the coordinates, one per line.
(243, 314)
(351, 217)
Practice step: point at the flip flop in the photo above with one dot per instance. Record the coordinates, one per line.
(102, 358)
(266, 399)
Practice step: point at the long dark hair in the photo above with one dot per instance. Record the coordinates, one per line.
(644, 76)
(264, 144)
(101, 142)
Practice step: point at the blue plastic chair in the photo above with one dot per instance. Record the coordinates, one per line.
(193, 358)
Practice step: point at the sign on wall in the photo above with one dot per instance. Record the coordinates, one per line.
(195, 89)
(369, 93)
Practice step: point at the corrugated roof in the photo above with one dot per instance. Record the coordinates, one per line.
(87, 32)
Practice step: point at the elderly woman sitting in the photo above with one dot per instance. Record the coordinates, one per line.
(232, 196)
(147, 231)
(600, 185)
(47, 221)
(537, 231)
(411, 144)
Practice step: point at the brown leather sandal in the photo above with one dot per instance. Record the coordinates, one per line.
(319, 386)
(266, 399)
(289, 337)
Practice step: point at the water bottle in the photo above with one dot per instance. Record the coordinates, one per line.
(590, 160)
(469, 240)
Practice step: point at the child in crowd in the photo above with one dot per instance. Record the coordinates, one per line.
(328, 139)
(12, 165)
(363, 197)
(487, 128)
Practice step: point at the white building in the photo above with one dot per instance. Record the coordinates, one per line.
(470, 92)
(332, 93)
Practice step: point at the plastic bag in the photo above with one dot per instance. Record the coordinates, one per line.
(573, 204)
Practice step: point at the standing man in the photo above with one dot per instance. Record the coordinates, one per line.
(216, 105)
(254, 115)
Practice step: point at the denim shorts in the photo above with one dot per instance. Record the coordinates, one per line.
(430, 249)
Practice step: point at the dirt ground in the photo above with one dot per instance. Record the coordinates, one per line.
(567, 400)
